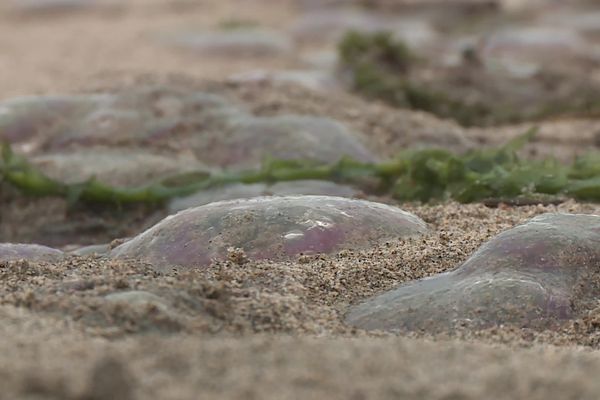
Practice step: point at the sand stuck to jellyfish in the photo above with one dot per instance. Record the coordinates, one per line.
(268, 228)
(242, 42)
(29, 252)
(168, 120)
(247, 140)
(144, 115)
(535, 275)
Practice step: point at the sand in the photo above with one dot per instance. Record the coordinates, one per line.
(275, 330)
(257, 330)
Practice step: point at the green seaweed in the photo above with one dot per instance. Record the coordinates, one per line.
(413, 175)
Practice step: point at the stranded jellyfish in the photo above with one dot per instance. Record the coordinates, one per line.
(272, 228)
(29, 252)
(138, 115)
(246, 140)
(200, 124)
(534, 275)
(246, 191)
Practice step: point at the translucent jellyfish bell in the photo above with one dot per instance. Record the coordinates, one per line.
(535, 275)
(271, 228)
(29, 252)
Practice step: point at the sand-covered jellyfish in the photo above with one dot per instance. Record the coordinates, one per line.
(29, 252)
(213, 129)
(268, 228)
(31, 120)
(137, 115)
(145, 115)
(535, 275)
(247, 140)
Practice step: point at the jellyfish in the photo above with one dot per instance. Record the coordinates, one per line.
(536, 275)
(29, 252)
(268, 228)
(246, 140)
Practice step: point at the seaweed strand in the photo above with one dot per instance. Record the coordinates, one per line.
(413, 175)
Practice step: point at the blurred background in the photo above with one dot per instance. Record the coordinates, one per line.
(50, 45)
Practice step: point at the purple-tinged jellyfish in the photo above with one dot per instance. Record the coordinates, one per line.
(29, 122)
(29, 252)
(203, 125)
(535, 275)
(246, 141)
(271, 228)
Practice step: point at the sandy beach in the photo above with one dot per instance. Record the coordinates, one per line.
(91, 327)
